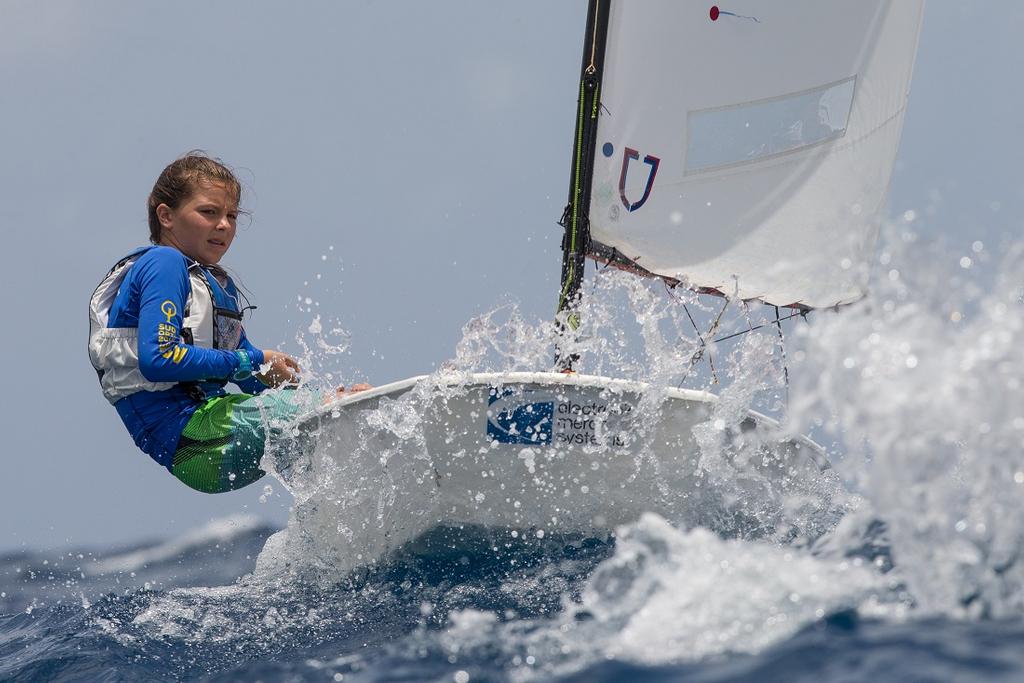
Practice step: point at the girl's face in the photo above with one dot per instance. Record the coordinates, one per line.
(203, 226)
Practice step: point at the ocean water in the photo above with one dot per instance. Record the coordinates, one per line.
(661, 605)
(915, 573)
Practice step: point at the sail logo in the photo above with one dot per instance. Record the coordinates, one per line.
(519, 418)
(629, 155)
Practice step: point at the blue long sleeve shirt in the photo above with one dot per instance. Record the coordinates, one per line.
(152, 298)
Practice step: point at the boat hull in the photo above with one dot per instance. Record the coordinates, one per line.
(542, 452)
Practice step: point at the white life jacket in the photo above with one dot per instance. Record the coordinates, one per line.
(114, 351)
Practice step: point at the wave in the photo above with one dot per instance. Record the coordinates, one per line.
(215, 532)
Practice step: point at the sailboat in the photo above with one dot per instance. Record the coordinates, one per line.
(742, 151)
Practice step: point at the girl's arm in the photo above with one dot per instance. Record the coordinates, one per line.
(280, 368)
(252, 384)
(162, 279)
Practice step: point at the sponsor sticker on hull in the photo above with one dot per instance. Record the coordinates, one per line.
(540, 418)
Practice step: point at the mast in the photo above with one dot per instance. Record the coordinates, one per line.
(575, 219)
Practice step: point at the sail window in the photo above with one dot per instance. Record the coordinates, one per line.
(752, 131)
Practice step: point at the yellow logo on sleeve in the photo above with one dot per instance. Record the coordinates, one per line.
(167, 335)
(169, 309)
(176, 354)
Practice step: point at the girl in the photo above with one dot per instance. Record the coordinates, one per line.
(166, 337)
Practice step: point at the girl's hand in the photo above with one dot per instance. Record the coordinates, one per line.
(342, 391)
(277, 369)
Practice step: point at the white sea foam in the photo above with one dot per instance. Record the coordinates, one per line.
(923, 384)
(918, 385)
(671, 596)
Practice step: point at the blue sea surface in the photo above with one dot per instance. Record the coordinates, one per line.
(449, 607)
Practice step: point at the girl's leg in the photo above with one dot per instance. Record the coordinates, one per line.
(221, 446)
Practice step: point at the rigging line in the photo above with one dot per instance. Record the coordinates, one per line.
(699, 353)
(696, 329)
(687, 310)
(757, 327)
(782, 348)
(738, 16)
(746, 314)
(591, 68)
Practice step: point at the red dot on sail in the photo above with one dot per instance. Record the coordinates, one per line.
(714, 13)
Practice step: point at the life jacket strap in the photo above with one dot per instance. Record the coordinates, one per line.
(194, 391)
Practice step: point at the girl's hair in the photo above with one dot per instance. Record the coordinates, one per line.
(180, 180)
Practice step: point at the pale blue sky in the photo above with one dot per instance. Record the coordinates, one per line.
(427, 143)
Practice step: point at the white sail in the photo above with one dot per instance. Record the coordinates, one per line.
(748, 147)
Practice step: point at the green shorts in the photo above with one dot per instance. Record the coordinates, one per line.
(221, 446)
